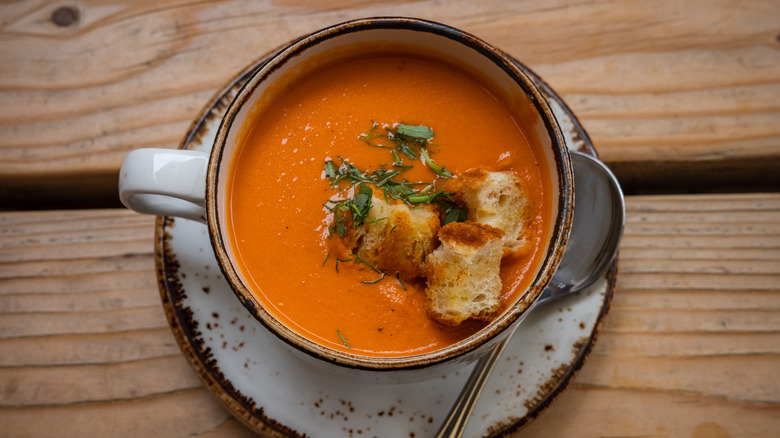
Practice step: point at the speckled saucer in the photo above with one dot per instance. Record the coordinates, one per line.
(276, 394)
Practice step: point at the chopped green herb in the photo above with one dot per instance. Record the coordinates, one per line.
(374, 281)
(423, 132)
(326, 257)
(396, 159)
(424, 198)
(362, 260)
(367, 137)
(388, 181)
(341, 261)
(376, 220)
(402, 139)
(403, 147)
(342, 339)
(438, 170)
(361, 204)
(358, 207)
(398, 277)
(330, 171)
(455, 213)
(338, 219)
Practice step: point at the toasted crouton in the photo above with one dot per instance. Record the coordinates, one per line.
(397, 238)
(496, 199)
(463, 273)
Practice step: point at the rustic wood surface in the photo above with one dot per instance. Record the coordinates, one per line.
(690, 347)
(680, 97)
(674, 93)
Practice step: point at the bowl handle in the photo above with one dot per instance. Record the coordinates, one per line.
(165, 182)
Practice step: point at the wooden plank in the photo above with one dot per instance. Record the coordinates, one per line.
(674, 94)
(690, 347)
(591, 410)
(693, 356)
(190, 413)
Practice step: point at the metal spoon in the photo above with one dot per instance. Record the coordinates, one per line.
(597, 226)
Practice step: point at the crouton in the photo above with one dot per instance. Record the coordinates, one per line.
(497, 199)
(463, 273)
(396, 237)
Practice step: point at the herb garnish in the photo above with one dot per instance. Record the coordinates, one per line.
(455, 213)
(361, 204)
(411, 141)
(402, 140)
(441, 171)
(358, 207)
(330, 171)
(342, 339)
(341, 261)
(381, 277)
(416, 132)
(398, 277)
(362, 260)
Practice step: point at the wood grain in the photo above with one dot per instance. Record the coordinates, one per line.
(674, 94)
(690, 347)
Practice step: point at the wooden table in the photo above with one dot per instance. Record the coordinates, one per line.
(681, 99)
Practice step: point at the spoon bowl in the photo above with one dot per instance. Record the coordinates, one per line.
(597, 227)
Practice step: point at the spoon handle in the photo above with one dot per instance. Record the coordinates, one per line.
(458, 417)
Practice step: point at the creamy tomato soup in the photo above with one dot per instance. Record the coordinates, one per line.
(278, 190)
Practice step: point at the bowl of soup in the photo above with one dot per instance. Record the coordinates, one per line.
(387, 196)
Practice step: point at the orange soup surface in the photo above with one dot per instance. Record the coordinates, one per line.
(278, 188)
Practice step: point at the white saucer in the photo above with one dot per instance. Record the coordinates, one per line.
(276, 394)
